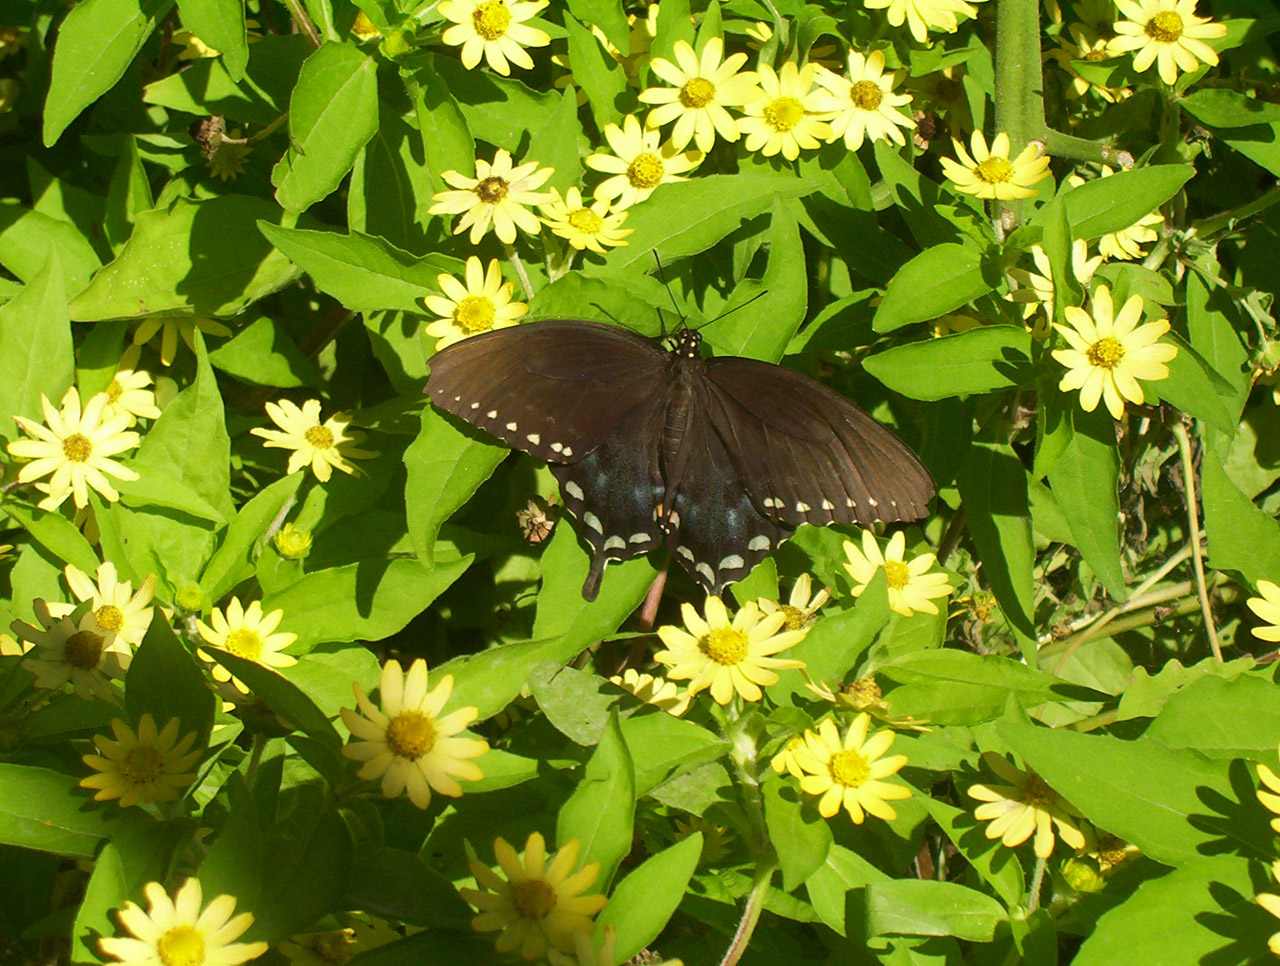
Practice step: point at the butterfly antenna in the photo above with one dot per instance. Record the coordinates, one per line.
(670, 294)
(758, 295)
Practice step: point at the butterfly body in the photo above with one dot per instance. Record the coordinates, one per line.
(717, 459)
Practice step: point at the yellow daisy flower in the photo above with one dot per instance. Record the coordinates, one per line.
(863, 694)
(1035, 290)
(74, 448)
(246, 632)
(149, 766)
(182, 931)
(585, 226)
(496, 197)
(921, 16)
(170, 327)
(129, 392)
(334, 947)
(408, 744)
(1267, 607)
(911, 587)
(790, 116)
(326, 446)
(990, 174)
(868, 108)
(495, 29)
(1270, 799)
(1166, 33)
(1081, 43)
(715, 838)
(1026, 805)
(801, 608)
(638, 164)
(850, 773)
(701, 90)
(1271, 903)
(482, 304)
(656, 691)
(539, 905)
(1109, 353)
(726, 656)
(80, 652)
(785, 760)
(114, 605)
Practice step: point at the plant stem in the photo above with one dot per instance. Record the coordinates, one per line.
(742, 753)
(1209, 227)
(300, 17)
(750, 916)
(255, 757)
(514, 258)
(1037, 882)
(1197, 554)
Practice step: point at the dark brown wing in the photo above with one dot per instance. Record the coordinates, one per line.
(554, 390)
(808, 455)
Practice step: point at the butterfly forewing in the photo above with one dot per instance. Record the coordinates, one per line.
(552, 389)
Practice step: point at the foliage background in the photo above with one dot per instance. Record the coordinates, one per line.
(317, 255)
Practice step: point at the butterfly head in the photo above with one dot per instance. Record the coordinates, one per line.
(687, 343)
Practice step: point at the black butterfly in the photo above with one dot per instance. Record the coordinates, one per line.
(719, 458)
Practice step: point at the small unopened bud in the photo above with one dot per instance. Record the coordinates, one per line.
(293, 544)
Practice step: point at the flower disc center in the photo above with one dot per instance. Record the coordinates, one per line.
(850, 769)
(784, 114)
(994, 171)
(321, 437)
(534, 899)
(244, 643)
(899, 574)
(181, 946)
(109, 618)
(474, 314)
(143, 765)
(1165, 27)
(77, 448)
(586, 221)
(492, 190)
(84, 649)
(645, 172)
(725, 646)
(411, 734)
(1106, 353)
(491, 19)
(866, 95)
(698, 92)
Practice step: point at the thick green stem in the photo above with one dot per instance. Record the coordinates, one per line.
(1193, 518)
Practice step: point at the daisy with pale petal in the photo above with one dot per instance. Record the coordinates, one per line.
(849, 773)
(147, 766)
(785, 760)
(496, 197)
(656, 691)
(791, 115)
(539, 905)
(1270, 798)
(128, 392)
(921, 16)
(1267, 607)
(115, 606)
(1166, 33)
(727, 656)
(1035, 290)
(863, 694)
(801, 608)
(592, 226)
(1271, 903)
(494, 29)
(1081, 43)
(1026, 805)
(182, 931)
(80, 652)
(408, 743)
(483, 303)
(702, 87)
(74, 449)
(1110, 352)
(325, 446)
(911, 587)
(868, 108)
(638, 163)
(248, 633)
(990, 174)
(170, 327)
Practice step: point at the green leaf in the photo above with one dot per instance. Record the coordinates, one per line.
(1241, 537)
(311, 854)
(106, 891)
(607, 15)
(56, 534)
(198, 257)
(601, 77)
(937, 281)
(915, 907)
(1222, 719)
(556, 144)
(390, 187)
(277, 692)
(799, 834)
(630, 300)
(264, 354)
(831, 886)
(396, 884)
(1220, 107)
(688, 217)
(26, 237)
(128, 196)
(233, 560)
(446, 139)
(97, 42)
(1260, 143)
(1112, 204)
(1194, 387)
(644, 902)
(662, 745)
(332, 115)
(220, 24)
(363, 272)
(35, 347)
(369, 601)
(984, 359)
(578, 704)
(1086, 481)
(164, 680)
(836, 643)
(498, 110)
(675, 22)
(601, 812)
(44, 810)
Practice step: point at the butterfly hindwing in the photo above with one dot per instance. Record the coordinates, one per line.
(552, 389)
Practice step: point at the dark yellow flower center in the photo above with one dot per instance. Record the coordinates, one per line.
(725, 646)
(109, 618)
(1165, 27)
(411, 734)
(244, 643)
(1037, 793)
(864, 691)
(333, 946)
(994, 171)
(784, 114)
(492, 190)
(1106, 353)
(491, 19)
(795, 618)
(866, 95)
(1097, 53)
(646, 171)
(850, 769)
(77, 448)
(534, 899)
(181, 946)
(84, 649)
(321, 437)
(143, 765)
(474, 314)
(114, 390)
(898, 573)
(698, 92)
(586, 221)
